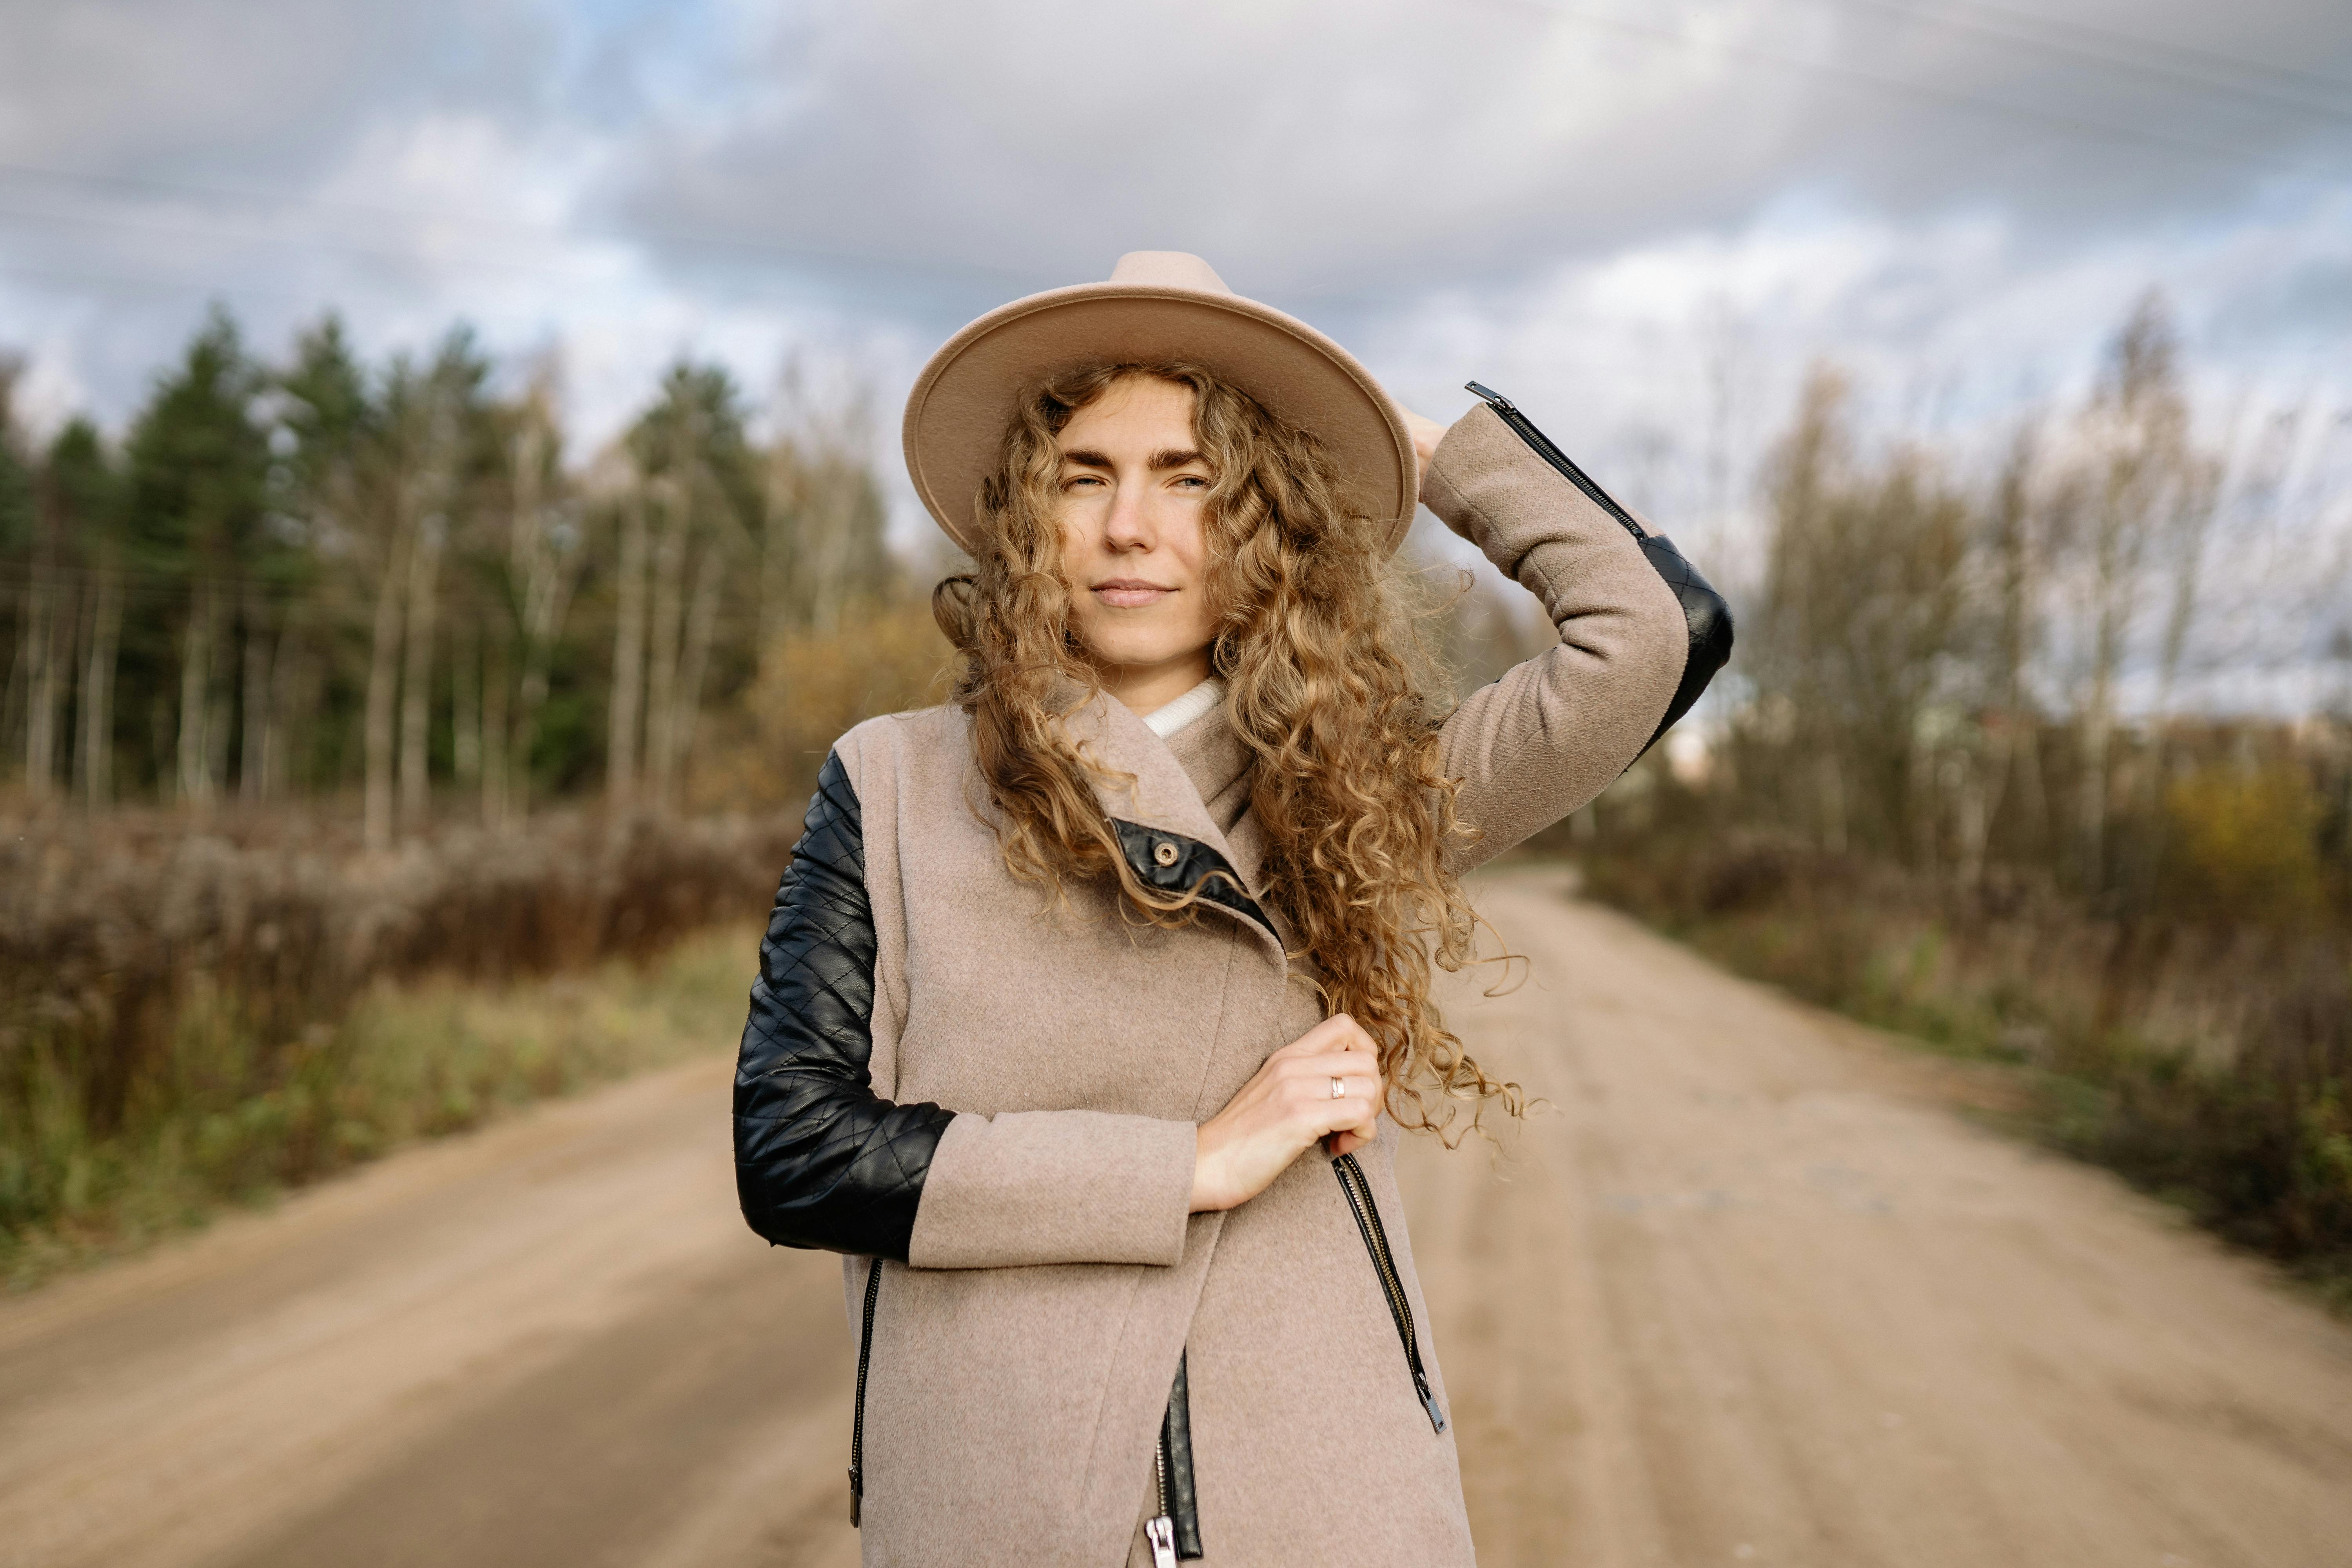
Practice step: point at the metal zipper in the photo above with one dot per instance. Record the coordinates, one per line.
(1178, 1523)
(858, 1420)
(1358, 1188)
(1543, 448)
(1161, 1531)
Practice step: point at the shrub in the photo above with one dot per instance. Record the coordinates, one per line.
(174, 998)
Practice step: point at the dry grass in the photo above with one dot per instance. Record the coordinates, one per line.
(191, 1013)
(406, 1062)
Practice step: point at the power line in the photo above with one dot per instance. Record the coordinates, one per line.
(2020, 30)
(143, 223)
(2072, 125)
(2185, 52)
(517, 229)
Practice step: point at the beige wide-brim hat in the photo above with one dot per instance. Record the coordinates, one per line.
(1159, 306)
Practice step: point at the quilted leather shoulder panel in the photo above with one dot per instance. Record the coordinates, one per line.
(819, 1159)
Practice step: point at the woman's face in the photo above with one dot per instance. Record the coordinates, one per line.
(1131, 493)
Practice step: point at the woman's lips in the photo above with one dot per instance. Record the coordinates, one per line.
(1127, 594)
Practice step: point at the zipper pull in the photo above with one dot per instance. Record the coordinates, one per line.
(1493, 399)
(1161, 1534)
(1428, 1401)
(857, 1497)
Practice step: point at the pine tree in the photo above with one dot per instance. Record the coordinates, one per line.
(81, 499)
(199, 469)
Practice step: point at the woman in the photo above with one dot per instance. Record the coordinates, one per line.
(1094, 1002)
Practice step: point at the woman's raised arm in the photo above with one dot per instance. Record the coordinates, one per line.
(1556, 730)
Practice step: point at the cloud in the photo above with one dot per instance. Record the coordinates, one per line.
(1608, 204)
(1321, 149)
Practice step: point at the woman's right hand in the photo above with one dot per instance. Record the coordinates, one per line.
(1285, 1109)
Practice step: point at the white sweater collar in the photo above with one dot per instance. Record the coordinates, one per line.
(1170, 717)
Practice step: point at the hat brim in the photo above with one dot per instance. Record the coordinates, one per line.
(966, 397)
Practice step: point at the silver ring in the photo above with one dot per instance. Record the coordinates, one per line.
(1339, 1089)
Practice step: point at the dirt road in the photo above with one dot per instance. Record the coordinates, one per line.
(1748, 1291)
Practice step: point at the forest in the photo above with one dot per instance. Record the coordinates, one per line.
(398, 583)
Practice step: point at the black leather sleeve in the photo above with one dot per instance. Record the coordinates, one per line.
(820, 1160)
(1705, 614)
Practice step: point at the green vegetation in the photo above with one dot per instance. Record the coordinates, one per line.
(226, 1118)
(191, 1013)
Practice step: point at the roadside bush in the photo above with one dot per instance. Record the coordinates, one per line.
(2201, 1046)
(175, 999)
(2246, 845)
(885, 657)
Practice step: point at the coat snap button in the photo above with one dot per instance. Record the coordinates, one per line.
(1164, 853)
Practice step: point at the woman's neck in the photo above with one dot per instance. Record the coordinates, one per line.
(1147, 688)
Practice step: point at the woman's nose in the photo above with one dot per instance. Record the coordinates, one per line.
(1129, 527)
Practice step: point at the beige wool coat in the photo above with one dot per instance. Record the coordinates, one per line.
(1021, 1359)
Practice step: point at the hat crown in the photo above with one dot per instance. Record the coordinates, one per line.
(1168, 269)
(1159, 307)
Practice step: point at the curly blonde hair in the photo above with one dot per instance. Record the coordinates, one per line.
(1322, 671)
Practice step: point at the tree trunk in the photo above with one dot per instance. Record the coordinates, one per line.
(661, 675)
(194, 783)
(284, 716)
(545, 579)
(416, 677)
(531, 696)
(19, 654)
(628, 661)
(828, 555)
(701, 631)
(779, 527)
(464, 702)
(220, 705)
(94, 704)
(496, 674)
(44, 677)
(384, 676)
(253, 762)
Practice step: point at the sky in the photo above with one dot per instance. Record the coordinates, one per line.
(1643, 221)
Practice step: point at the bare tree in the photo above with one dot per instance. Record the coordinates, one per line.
(544, 559)
(2135, 434)
(1861, 613)
(627, 689)
(94, 703)
(695, 484)
(2008, 721)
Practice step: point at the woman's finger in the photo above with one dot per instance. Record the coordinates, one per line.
(1359, 1073)
(1324, 1037)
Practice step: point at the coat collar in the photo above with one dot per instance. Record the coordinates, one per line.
(1140, 779)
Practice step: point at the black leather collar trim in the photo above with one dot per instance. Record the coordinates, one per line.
(1192, 867)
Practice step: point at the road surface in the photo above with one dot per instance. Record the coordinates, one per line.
(1748, 1290)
